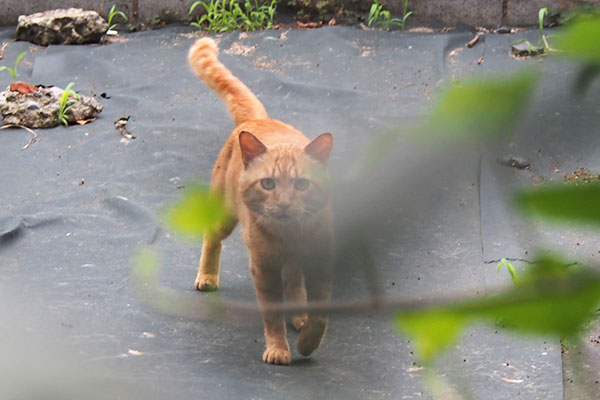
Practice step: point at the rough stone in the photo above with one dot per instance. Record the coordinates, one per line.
(63, 26)
(40, 108)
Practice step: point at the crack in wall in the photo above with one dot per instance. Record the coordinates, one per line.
(504, 12)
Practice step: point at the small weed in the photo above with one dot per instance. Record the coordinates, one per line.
(383, 18)
(542, 45)
(228, 15)
(112, 14)
(511, 270)
(68, 97)
(13, 71)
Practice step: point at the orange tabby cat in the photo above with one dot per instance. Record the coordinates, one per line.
(272, 179)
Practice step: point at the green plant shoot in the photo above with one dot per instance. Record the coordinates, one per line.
(511, 270)
(380, 17)
(227, 15)
(112, 14)
(67, 99)
(13, 71)
(541, 14)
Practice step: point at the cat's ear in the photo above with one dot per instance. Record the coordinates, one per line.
(251, 147)
(320, 147)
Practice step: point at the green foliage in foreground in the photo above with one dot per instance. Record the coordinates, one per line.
(563, 203)
(551, 299)
(197, 212)
(581, 40)
(480, 108)
(227, 15)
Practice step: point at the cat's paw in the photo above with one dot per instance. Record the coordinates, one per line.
(299, 320)
(207, 283)
(311, 335)
(276, 355)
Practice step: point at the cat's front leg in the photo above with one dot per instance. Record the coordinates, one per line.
(318, 289)
(269, 289)
(207, 278)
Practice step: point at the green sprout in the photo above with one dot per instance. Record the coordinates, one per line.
(67, 99)
(511, 270)
(13, 71)
(541, 14)
(542, 45)
(112, 14)
(227, 15)
(380, 17)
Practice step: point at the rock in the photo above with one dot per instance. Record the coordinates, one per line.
(525, 49)
(515, 162)
(63, 26)
(40, 108)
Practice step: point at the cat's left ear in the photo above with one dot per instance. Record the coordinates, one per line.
(320, 147)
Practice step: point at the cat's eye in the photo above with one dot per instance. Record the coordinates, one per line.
(301, 184)
(267, 183)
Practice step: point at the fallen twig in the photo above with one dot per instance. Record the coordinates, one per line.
(474, 41)
(4, 46)
(120, 124)
(33, 139)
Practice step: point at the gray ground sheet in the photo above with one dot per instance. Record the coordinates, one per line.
(80, 200)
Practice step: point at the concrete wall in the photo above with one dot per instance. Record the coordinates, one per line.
(489, 13)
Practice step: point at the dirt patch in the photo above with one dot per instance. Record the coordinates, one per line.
(581, 176)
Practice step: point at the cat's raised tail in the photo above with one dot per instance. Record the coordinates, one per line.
(243, 105)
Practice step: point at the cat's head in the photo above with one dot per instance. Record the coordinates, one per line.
(285, 184)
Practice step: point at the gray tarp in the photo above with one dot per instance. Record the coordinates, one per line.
(78, 202)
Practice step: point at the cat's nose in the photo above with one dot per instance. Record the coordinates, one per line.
(284, 206)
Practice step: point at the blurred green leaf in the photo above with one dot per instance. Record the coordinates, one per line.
(580, 40)
(469, 112)
(197, 212)
(432, 331)
(567, 203)
(146, 265)
(551, 299)
(145, 273)
(481, 107)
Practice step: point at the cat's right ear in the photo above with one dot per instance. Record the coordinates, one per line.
(251, 147)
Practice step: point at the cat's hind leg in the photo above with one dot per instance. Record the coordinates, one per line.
(295, 292)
